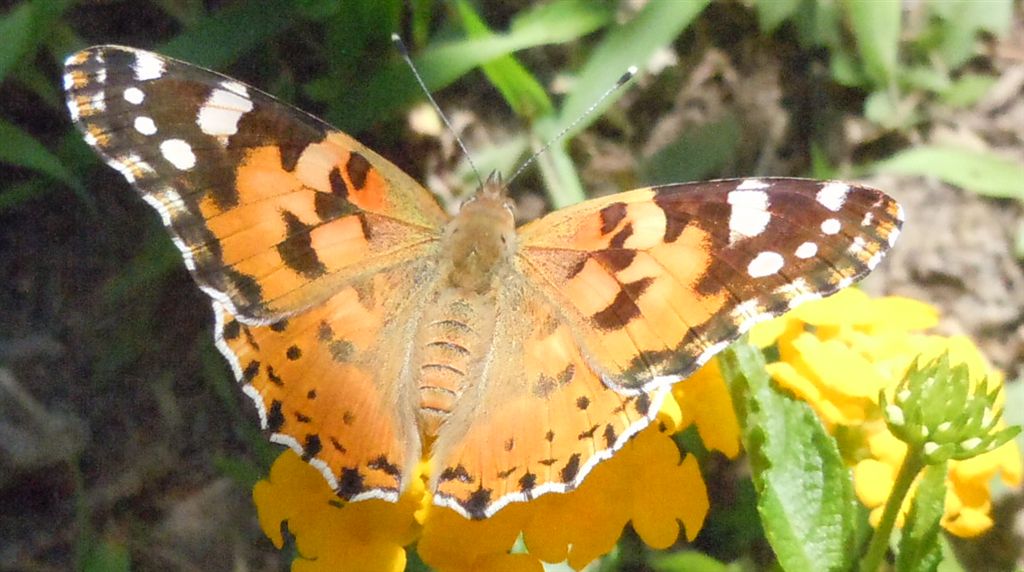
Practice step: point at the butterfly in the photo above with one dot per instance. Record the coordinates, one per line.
(372, 330)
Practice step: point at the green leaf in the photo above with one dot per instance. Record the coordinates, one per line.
(519, 88)
(106, 556)
(699, 153)
(260, 21)
(963, 20)
(16, 31)
(633, 43)
(25, 27)
(976, 171)
(967, 90)
(560, 177)
(771, 13)
(805, 493)
(22, 150)
(919, 543)
(687, 561)
(876, 27)
(441, 64)
(819, 24)
(925, 78)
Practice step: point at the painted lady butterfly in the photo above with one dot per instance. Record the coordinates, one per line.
(370, 328)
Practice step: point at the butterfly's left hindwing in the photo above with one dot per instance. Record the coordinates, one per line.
(272, 209)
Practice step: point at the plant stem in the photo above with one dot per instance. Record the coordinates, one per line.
(911, 466)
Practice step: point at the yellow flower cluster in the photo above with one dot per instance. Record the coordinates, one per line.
(645, 483)
(839, 353)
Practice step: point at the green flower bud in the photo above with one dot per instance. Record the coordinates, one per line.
(938, 415)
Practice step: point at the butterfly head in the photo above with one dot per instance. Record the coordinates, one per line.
(482, 237)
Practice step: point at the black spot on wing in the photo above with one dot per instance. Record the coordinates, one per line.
(350, 483)
(527, 482)
(615, 260)
(357, 168)
(338, 187)
(279, 326)
(622, 308)
(611, 216)
(675, 219)
(456, 473)
(588, 434)
(275, 417)
(232, 330)
(619, 240)
(385, 466)
(273, 377)
(342, 350)
(477, 503)
(297, 250)
(311, 447)
(252, 369)
(610, 436)
(571, 469)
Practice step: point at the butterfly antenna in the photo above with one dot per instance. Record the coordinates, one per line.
(416, 74)
(630, 73)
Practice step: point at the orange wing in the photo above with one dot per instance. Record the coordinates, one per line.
(273, 210)
(329, 382)
(307, 241)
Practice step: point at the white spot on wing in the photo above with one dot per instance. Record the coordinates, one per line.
(69, 81)
(831, 226)
(749, 214)
(875, 259)
(220, 113)
(134, 95)
(178, 153)
(752, 185)
(797, 292)
(236, 87)
(147, 66)
(765, 264)
(869, 217)
(833, 195)
(98, 102)
(806, 250)
(145, 125)
(122, 168)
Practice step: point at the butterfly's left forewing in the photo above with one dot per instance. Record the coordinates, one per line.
(656, 281)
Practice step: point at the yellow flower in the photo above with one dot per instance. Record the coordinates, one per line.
(838, 353)
(646, 483)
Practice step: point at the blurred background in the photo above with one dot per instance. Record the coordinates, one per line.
(124, 443)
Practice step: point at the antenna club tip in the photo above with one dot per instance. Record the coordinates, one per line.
(631, 72)
(397, 40)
